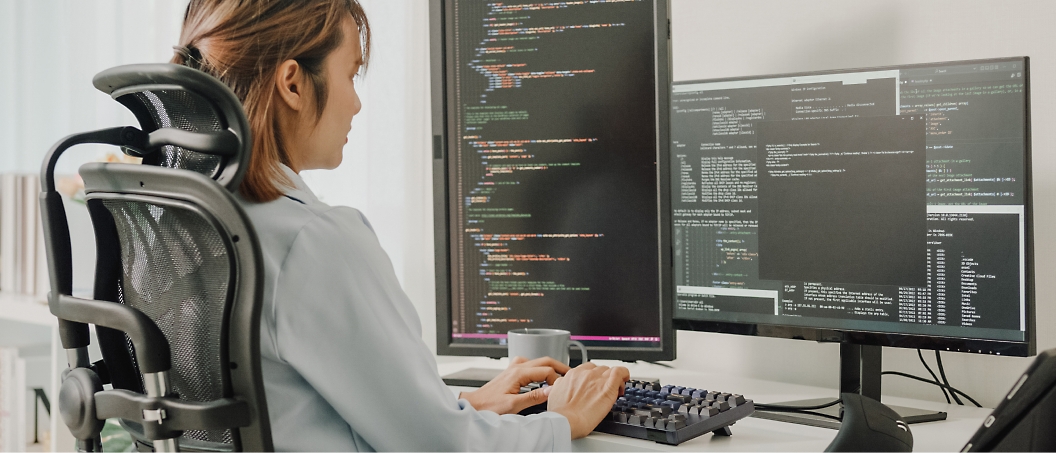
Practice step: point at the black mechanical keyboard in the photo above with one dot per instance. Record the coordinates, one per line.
(668, 414)
(671, 414)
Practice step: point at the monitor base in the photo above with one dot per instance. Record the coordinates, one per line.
(828, 416)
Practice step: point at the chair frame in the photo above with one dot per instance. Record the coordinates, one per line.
(161, 416)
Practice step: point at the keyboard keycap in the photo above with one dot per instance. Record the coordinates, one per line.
(680, 398)
(674, 425)
(661, 410)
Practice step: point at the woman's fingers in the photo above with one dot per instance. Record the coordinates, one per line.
(618, 376)
(561, 368)
(526, 376)
(586, 366)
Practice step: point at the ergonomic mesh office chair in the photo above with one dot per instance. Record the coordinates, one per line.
(178, 286)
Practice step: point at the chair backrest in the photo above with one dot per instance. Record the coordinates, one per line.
(174, 96)
(170, 248)
(173, 243)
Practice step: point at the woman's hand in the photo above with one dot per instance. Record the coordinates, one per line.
(586, 394)
(502, 395)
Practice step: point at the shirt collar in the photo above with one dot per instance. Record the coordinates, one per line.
(300, 190)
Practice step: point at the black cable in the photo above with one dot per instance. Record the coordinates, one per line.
(809, 410)
(658, 364)
(816, 414)
(781, 408)
(942, 372)
(933, 376)
(951, 389)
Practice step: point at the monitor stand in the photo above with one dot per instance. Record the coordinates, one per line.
(859, 373)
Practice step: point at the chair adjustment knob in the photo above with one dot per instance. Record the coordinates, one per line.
(77, 403)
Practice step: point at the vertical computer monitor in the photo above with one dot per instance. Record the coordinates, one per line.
(548, 166)
(886, 206)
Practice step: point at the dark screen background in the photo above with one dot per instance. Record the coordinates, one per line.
(555, 179)
(842, 200)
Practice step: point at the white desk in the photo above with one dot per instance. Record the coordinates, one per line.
(754, 434)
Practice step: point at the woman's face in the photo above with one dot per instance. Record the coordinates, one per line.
(324, 140)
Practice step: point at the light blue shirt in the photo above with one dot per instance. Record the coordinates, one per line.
(345, 367)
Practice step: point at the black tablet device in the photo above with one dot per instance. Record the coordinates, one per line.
(1026, 417)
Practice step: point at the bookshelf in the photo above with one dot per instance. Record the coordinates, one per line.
(26, 308)
(29, 324)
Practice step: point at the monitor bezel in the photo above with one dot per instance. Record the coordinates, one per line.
(902, 340)
(443, 140)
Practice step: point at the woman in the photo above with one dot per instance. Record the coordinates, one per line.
(345, 367)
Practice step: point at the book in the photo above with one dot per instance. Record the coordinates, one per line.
(12, 400)
(30, 223)
(9, 226)
(23, 255)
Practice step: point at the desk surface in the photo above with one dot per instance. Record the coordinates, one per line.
(754, 434)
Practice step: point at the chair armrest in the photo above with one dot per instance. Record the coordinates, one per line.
(178, 415)
(152, 349)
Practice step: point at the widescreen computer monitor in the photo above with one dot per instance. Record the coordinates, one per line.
(883, 207)
(548, 166)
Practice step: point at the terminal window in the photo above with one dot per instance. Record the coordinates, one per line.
(887, 200)
(842, 200)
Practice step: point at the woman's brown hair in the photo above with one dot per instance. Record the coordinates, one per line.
(242, 42)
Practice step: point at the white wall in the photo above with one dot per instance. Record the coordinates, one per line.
(723, 38)
(51, 49)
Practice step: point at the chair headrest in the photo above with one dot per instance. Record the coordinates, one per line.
(172, 96)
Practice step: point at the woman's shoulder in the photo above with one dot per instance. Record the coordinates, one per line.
(282, 220)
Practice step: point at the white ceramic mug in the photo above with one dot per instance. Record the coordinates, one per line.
(535, 343)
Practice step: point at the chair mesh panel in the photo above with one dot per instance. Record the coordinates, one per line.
(175, 269)
(187, 111)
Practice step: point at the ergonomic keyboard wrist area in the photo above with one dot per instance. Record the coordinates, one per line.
(672, 414)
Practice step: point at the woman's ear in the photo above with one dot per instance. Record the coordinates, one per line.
(291, 84)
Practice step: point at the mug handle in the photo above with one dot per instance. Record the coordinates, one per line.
(582, 349)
